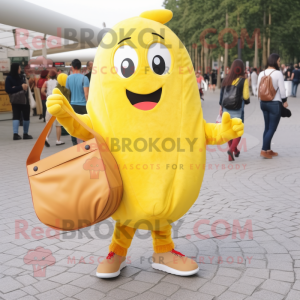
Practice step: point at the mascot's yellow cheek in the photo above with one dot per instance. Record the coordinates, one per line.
(161, 182)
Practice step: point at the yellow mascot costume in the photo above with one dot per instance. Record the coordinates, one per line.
(145, 102)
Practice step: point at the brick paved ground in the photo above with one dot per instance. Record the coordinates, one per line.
(264, 192)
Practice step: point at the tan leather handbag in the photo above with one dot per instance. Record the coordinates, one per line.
(76, 187)
(266, 91)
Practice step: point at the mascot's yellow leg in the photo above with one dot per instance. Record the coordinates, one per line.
(121, 239)
(162, 240)
(165, 258)
(123, 235)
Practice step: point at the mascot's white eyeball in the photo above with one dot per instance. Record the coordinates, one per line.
(159, 58)
(125, 61)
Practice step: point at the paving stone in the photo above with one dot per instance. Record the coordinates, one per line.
(296, 285)
(293, 295)
(276, 286)
(191, 283)
(222, 280)
(89, 294)
(282, 276)
(65, 277)
(136, 286)
(121, 294)
(267, 295)
(30, 290)
(228, 295)
(251, 280)
(242, 288)
(129, 271)
(45, 285)
(26, 280)
(149, 277)
(165, 288)
(212, 289)
(105, 285)
(8, 284)
(190, 295)
(69, 290)
(229, 272)
(14, 295)
(28, 298)
(50, 295)
(259, 273)
(149, 296)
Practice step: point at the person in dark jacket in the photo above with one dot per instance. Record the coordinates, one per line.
(14, 83)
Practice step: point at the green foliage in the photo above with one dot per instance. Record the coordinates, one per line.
(191, 17)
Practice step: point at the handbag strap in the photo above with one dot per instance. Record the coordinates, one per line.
(35, 154)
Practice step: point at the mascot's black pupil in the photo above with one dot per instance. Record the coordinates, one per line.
(158, 65)
(127, 67)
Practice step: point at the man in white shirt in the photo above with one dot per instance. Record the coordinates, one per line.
(254, 81)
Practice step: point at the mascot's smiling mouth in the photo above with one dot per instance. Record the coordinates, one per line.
(144, 101)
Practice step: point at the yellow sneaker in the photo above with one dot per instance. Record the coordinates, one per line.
(175, 263)
(111, 266)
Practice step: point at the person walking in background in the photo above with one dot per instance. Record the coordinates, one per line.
(234, 95)
(254, 78)
(295, 80)
(272, 109)
(47, 89)
(206, 79)
(78, 84)
(213, 80)
(89, 66)
(200, 80)
(32, 85)
(283, 69)
(40, 84)
(14, 84)
(288, 73)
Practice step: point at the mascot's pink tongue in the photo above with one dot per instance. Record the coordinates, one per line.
(145, 105)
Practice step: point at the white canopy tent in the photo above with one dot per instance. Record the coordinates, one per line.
(39, 21)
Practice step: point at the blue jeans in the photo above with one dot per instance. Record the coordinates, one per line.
(272, 115)
(294, 88)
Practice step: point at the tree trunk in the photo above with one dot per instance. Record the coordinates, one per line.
(219, 72)
(269, 34)
(196, 60)
(264, 56)
(256, 52)
(202, 60)
(205, 59)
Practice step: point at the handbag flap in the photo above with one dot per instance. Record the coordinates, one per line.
(61, 157)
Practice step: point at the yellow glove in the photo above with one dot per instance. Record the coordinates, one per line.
(228, 129)
(56, 104)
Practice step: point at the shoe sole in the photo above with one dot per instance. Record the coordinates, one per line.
(169, 270)
(59, 144)
(112, 275)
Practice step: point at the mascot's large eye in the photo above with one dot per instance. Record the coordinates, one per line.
(125, 61)
(159, 58)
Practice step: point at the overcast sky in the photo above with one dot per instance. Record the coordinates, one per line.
(95, 12)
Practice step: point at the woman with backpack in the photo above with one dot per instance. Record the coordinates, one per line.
(234, 95)
(272, 94)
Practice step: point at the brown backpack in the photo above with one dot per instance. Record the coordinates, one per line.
(266, 91)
